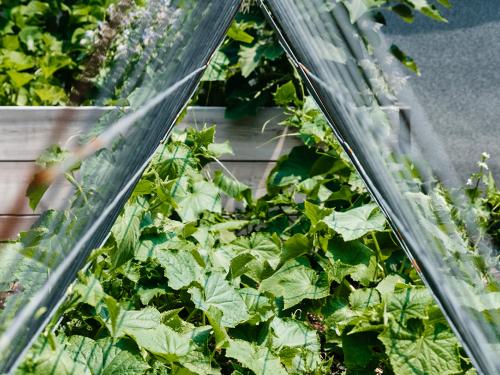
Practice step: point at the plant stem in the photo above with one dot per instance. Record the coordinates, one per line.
(378, 253)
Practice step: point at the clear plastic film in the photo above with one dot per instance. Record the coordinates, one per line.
(161, 50)
(345, 61)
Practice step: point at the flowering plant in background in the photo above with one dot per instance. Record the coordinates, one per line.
(43, 47)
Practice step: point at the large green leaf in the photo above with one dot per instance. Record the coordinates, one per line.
(90, 290)
(82, 355)
(296, 246)
(20, 79)
(258, 252)
(353, 259)
(294, 334)
(361, 351)
(294, 167)
(133, 322)
(421, 349)
(216, 291)
(408, 304)
(362, 299)
(103, 357)
(294, 282)
(181, 268)
(356, 222)
(164, 342)
(217, 70)
(256, 358)
(249, 59)
(260, 308)
(173, 160)
(146, 328)
(204, 196)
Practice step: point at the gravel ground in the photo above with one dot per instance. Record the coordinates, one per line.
(460, 83)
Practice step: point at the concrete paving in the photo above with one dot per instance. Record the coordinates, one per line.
(460, 83)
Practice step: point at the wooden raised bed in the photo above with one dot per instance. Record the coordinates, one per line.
(26, 131)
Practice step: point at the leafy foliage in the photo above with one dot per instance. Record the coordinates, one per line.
(307, 279)
(43, 45)
(251, 69)
(485, 195)
(248, 68)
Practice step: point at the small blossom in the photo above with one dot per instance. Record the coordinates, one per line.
(89, 34)
(483, 165)
(485, 155)
(469, 182)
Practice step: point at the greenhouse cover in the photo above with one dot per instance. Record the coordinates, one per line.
(344, 61)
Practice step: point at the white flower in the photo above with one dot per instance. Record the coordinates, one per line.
(483, 165)
(469, 182)
(89, 34)
(485, 155)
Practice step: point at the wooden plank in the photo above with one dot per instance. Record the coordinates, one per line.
(26, 131)
(16, 224)
(15, 177)
(252, 138)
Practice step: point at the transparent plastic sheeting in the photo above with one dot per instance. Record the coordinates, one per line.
(345, 62)
(162, 50)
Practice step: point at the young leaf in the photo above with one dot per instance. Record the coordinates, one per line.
(214, 316)
(286, 94)
(406, 60)
(357, 222)
(231, 187)
(37, 188)
(404, 12)
(429, 10)
(237, 33)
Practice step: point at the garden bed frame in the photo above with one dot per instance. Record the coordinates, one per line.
(26, 131)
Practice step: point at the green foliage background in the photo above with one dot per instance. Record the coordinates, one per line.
(43, 45)
(305, 280)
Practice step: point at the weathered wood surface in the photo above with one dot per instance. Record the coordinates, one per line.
(14, 180)
(17, 223)
(14, 177)
(24, 133)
